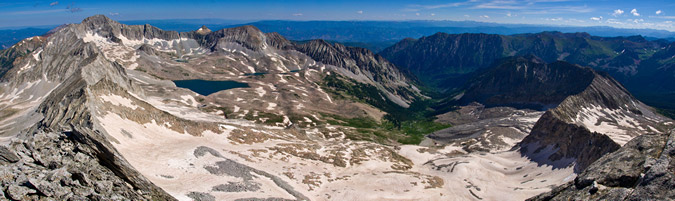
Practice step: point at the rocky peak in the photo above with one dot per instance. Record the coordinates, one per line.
(203, 30)
(116, 32)
(247, 36)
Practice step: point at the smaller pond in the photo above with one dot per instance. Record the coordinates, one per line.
(206, 87)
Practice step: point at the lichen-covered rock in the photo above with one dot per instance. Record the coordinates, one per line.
(641, 170)
(78, 175)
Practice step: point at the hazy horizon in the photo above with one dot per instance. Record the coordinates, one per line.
(650, 14)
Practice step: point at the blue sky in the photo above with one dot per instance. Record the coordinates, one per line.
(655, 14)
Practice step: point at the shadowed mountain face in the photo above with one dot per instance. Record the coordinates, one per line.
(527, 82)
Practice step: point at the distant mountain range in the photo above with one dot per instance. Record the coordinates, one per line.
(374, 35)
(447, 61)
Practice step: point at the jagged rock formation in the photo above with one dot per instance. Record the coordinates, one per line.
(365, 66)
(640, 170)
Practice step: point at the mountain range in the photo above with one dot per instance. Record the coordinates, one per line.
(102, 110)
(447, 61)
(374, 35)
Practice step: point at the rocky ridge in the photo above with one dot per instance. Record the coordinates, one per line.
(642, 169)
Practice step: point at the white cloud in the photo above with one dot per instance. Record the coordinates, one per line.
(433, 14)
(297, 14)
(596, 18)
(575, 20)
(555, 19)
(658, 12)
(54, 3)
(359, 12)
(485, 16)
(508, 14)
(617, 12)
(613, 21)
(113, 14)
(467, 16)
(418, 14)
(634, 12)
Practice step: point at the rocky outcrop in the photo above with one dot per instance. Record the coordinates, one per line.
(640, 170)
(60, 165)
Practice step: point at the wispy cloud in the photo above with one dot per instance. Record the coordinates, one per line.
(559, 10)
(71, 8)
(54, 3)
(613, 21)
(359, 12)
(634, 12)
(663, 17)
(418, 7)
(617, 12)
(33, 12)
(504, 4)
(113, 14)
